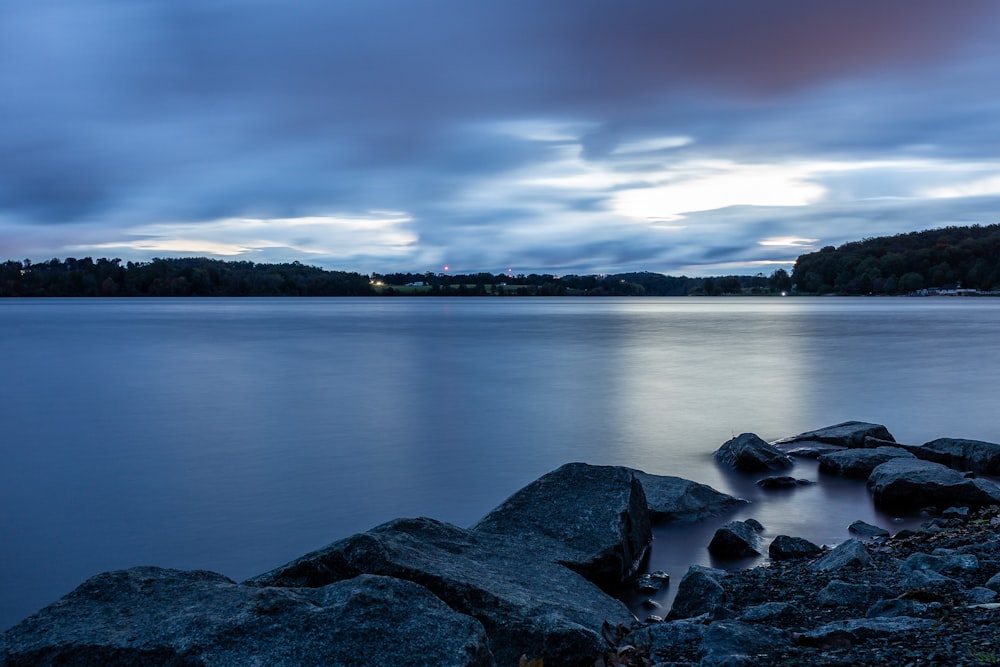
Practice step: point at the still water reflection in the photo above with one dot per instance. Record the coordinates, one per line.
(236, 434)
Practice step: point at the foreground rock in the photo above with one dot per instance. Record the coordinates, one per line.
(748, 452)
(593, 519)
(846, 435)
(527, 606)
(909, 484)
(975, 455)
(737, 539)
(154, 616)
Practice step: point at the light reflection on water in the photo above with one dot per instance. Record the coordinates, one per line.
(236, 434)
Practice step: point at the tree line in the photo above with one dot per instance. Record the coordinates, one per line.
(951, 257)
(72, 277)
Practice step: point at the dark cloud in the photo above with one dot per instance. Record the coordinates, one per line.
(496, 127)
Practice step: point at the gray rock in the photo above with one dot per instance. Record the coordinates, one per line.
(850, 435)
(527, 604)
(154, 616)
(994, 582)
(748, 452)
(851, 553)
(942, 563)
(917, 450)
(912, 484)
(785, 547)
(980, 595)
(859, 463)
(676, 499)
(897, 607)
(859, 527)
(860, 629)
(652, 581)
(955, 513)
(736, 539)
(698, 593)
(976, 455)
(929, 581)
(595, 515)
(737, 643)
(768, 612)
(782, 482)
(841, 593)
(665, 640)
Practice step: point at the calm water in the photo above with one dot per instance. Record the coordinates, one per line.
(236, 434)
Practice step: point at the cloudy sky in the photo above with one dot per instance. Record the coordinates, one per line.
(566, 136)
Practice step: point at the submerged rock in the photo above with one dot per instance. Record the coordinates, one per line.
(527, 603)
(782, 482)
(748, 452)
(155, 616)
(912, 484)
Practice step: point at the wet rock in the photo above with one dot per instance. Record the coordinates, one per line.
(917, 450)
(841, 593)
(675, 499)
(748, 452)
(735, 643)
(652, 582)
(849, 435)
(976, 455)
(737, 539)
(867, 530)
(785, 547)
(859, 463)
(595, 516)
(527, 603)
(782, 482)
(698, 593)
(911, 484)
(150, 616)
(851, 553)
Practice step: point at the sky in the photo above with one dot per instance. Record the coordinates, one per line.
(687, 137)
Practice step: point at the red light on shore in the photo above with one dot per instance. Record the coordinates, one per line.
(446, 267)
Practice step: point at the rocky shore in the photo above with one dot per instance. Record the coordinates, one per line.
(538, 580)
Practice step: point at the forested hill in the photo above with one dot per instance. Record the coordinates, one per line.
(967, 257)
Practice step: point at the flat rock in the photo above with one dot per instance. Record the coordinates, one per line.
(942, 563)
(748, 452)
(734, 642)
(736, 539)
(859, 629)
(839, 593)
(859, 463)
(782, 482)
(867, 530)
(596, 515)
(976, 455)
(849, 435)
(849, 554)
(664, 640)
(912, 484)
(155, 616)
(673, 499)
(917, 450)
(527, 604)
(786, 547)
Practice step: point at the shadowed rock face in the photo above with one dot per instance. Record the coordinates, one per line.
(527, 603)
(913, 483)
(676, 499)
(593, 519)
(154, 616)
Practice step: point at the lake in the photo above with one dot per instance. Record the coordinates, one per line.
(236, 434)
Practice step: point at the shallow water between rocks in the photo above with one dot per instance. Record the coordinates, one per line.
(236, 434)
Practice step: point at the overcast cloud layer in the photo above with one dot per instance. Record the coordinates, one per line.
(566, 136)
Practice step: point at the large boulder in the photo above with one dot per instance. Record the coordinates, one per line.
(975, 455)
(527, 603)
(675, 499)
(748, 452)
(859, 463)
(847, 435)
(593, 519)
(736, 539)
(910, 484)
(917, 450)
(154, 616)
